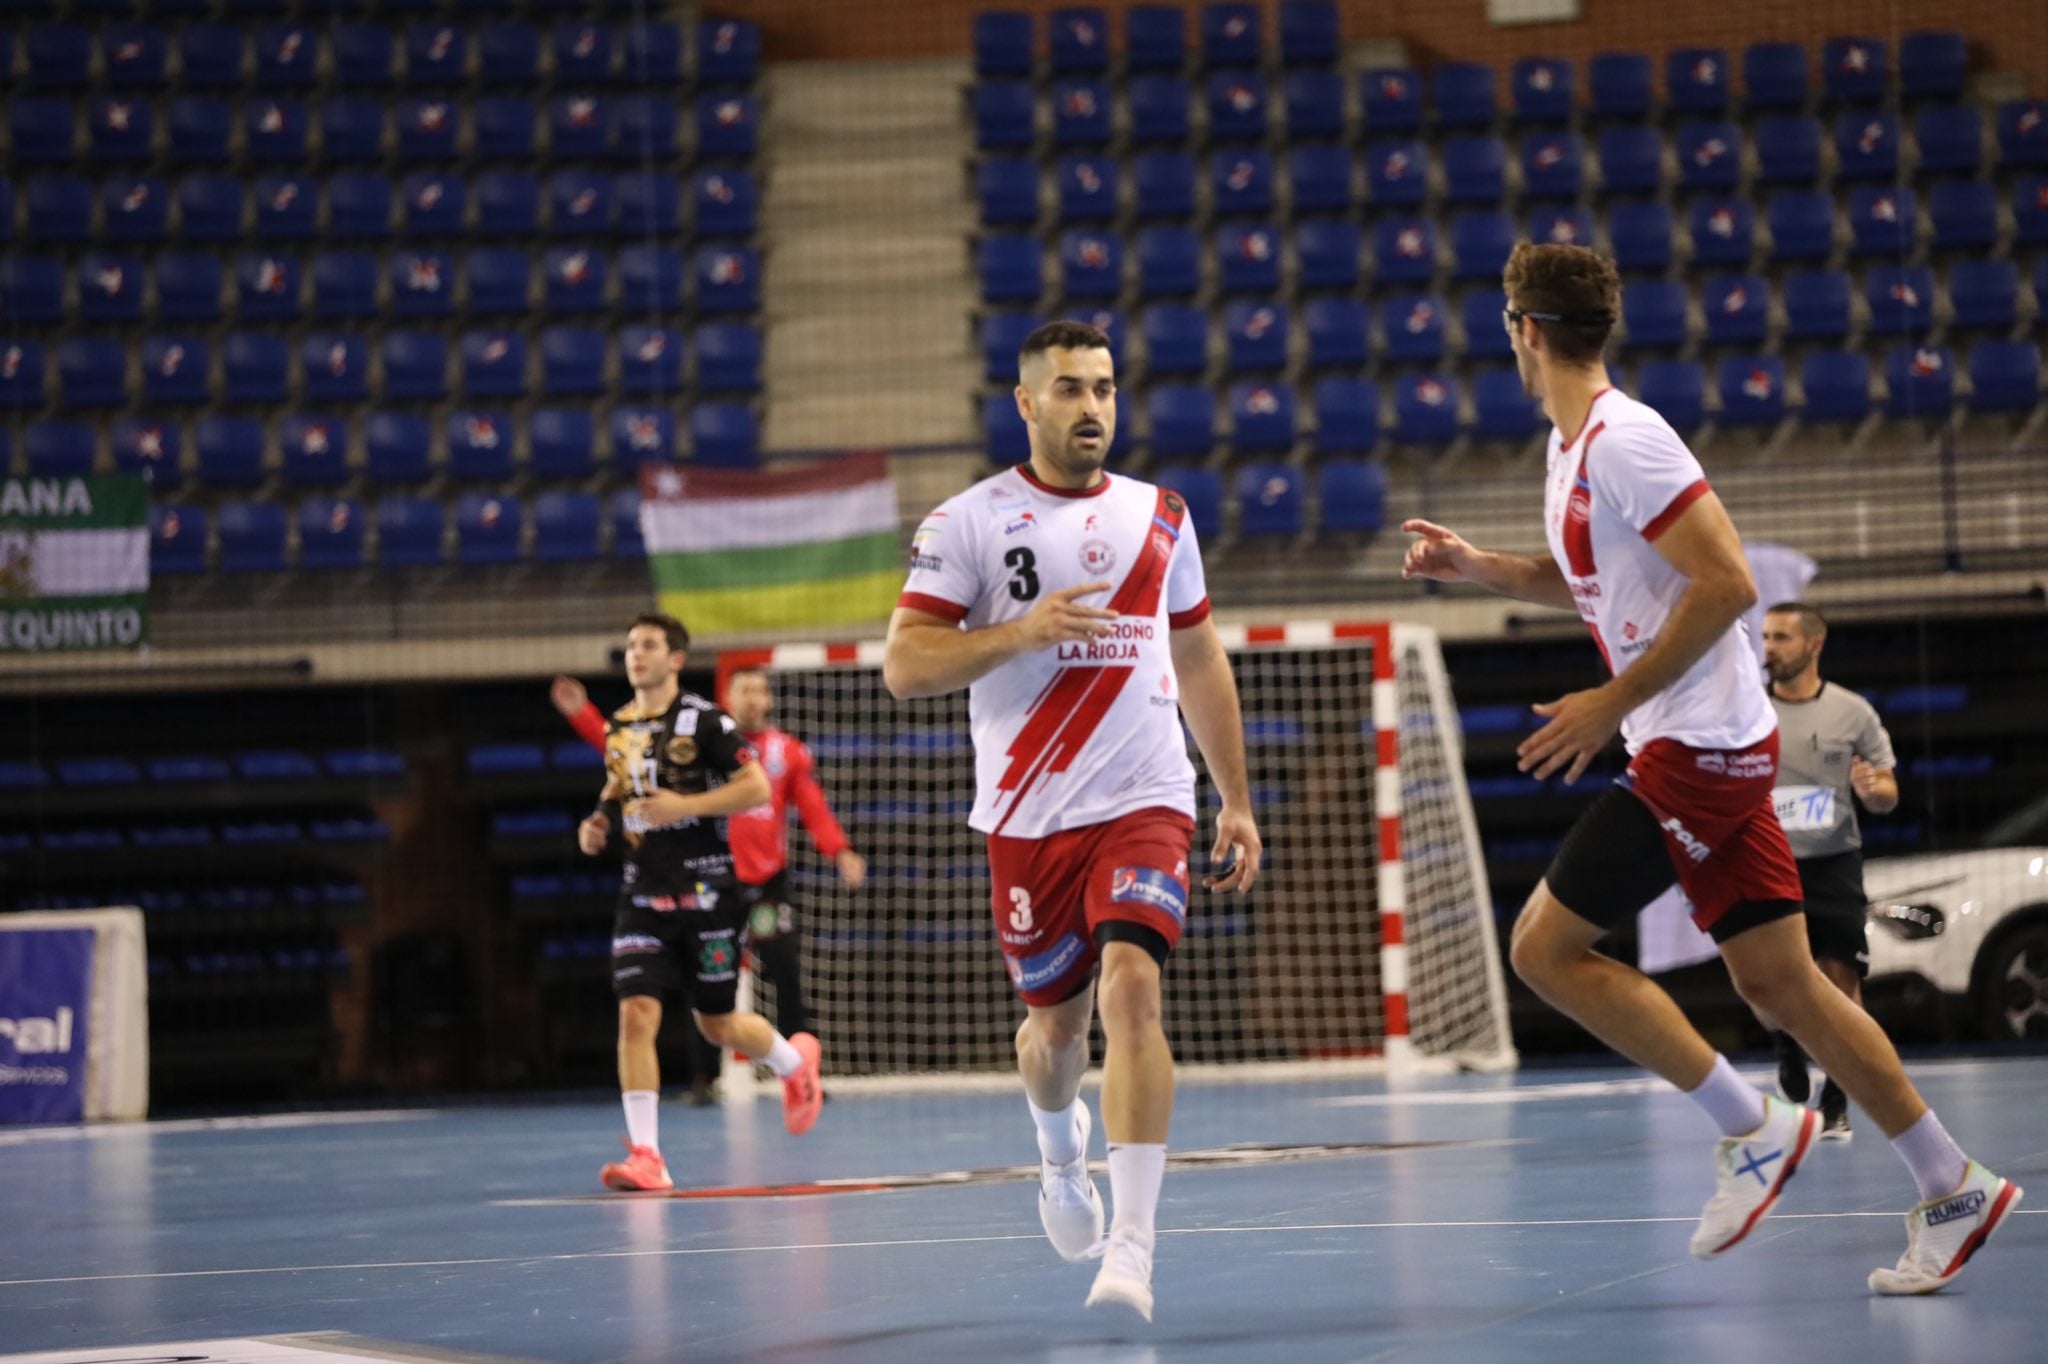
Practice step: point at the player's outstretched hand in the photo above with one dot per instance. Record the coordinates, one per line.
(1440, 554)
(569, 696)
(1237, 851)
(853, 868)
(592, 833)
(1061, 618)
(1579, 727)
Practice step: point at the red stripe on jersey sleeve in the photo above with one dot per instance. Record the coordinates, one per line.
(1664, 519)
(1194, 615)
(933, 606)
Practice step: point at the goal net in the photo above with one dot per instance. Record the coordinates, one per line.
(1368, 941)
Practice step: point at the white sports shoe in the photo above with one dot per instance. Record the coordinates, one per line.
(1750, 1172)
(1943, 1233)
(1068, 1206)
(1126, 1276)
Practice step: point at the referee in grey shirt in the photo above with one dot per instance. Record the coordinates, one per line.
(1831, 745)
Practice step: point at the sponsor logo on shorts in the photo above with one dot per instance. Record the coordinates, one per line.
(718, 958)
(1149, 886)
(1032, 973)
(627, 944)
(1962, 1205)
(1697, 850)
(1736, 764)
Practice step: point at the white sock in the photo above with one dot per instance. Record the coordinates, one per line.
(782, 1058)
(1135, 1169)
(1937, 1163)
(643, 1118)
(1735, 1105)
(1057, 1130)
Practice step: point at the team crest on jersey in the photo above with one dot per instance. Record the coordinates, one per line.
(1097, 556)
(682, 750)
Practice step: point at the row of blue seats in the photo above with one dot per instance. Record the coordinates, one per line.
(1155, 37)
(110, 773)
(1180, 419)
(341, 285)
(137, 56)
(238, 898)
(231, 833)
(411, 532)
(528, 759)
(1543, 89)
(402, 366)
(198, 130)
(315, 450)
(1324, 177)
(225, 208)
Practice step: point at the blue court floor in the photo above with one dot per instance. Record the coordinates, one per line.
(1541, 1216)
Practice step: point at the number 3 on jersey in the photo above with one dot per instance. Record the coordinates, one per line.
(1020, 909)
(1024, 586)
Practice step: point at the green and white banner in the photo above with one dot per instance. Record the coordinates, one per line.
(74, 564)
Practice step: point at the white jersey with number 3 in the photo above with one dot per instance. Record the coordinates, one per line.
(1076, 733)
(1609, 494)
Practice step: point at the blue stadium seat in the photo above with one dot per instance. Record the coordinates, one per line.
(580, 127)
(1261, 417)
(1462, 94)
(1900, 298)
(1640, 234)
(1480, 243)
(177, 538)
(1619, 85)
(436, 54)
(131, 210)
(1237, 106)
(1169, 262)
(503, 127)
(725, 435)
(1631, 160)
(566, 526)
(1002, 336)
(493, 364)
(1709, 156)
(251, 536)
(1788, 151)
(1696, 80)
(334, 367)
(364, 55)
(22, 365)
(488, 528)
(724, 203)
(1836, 385)
(1004, 438)
(642, 435)
(331, 532)
(1155, 37)
(1723, 231)
(1562, 226)
(1181, 418)
(92, 372)
(653, 53)
(574, 279)
(422, 284)
(1241, 183)
(398, 448)
(1255, 334)
(1412, 329)
(1816, 305)
(358, 207)
(1866, 146)
(131, 55)
(1309, 33)
(175, 370)
(1347, 416)
(1552, 166)
(274, 129)
(1164, 183)
(651, 279)
(1950, 140)
(1473, 169)
(1802, 225)
(1933, 65)
(1653, 311)
(479, 445)
(120, 128)
(2030, 211)
(267, 286)
(1158, 110)
(1011, 268)
(1269, 499)
(1338, 331)
(1426, 409)
(351, 129)
(2022, 133)
(1176, 341)
(1327, 253)
(1002, 43)
(622, 511)
(1351, 495)
(1855, 70)
(1883, 221)
(409, 531)
(1502, 409)
(415, 365)
(210, 55)
(728, 127)
(1077, 37)
(1396, 174)
(1984, 295)
(1676, 389)
(1315, 105)
(1752, 390)
(1774, 76)
(198, 131)
(153, 449)
(230, 451)
(1320, 179)
(1403, 251)
(1737, 310)
(1008, 189)
(1091, 264)
(1392, 100)
(287, 56)
(314, 449)
(57, 57)
(650, 359)
(508, 54)
(1542, 90)
(31, 289)
(59, 209)
(428, 128)
(287, 208)
(650, 205)
(1480, 315)
(562, 443)
(1231, 35)
(1005, 116)
(580, 203)
(2005, 376)
(59, 449)
(1920, 381)
(42, 130)
(498, 279)
(583, 52)
(727, 279)
(1248, 259)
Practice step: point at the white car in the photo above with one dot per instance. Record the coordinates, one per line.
(1972, 927)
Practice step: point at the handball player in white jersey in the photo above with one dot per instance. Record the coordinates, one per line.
(1642, 548)
(1071, 603)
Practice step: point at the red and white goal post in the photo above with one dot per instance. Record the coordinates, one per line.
(1367, 946)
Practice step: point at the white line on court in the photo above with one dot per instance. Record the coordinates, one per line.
(267, 1122)
(1574, 1089)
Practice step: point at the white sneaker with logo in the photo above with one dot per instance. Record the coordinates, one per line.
(1943, 1233)
(1069, 1208)
(1749, 1174)
(1125, 1278)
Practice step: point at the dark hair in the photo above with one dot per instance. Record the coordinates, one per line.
(678, 637)
(744, 670)
(1578, 286)
(1061, 336)
(1811, 621)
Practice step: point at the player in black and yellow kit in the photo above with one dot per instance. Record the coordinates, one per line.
(675, 767)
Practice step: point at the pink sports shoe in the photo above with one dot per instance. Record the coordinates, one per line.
(802, 1093)
(643, 1169)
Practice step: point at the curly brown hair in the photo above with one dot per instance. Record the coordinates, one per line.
(1576, 284)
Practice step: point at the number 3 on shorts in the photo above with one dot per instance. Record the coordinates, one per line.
(1020, 909)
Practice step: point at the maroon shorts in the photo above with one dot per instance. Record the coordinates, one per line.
(1052, 892)
(1720, 828)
